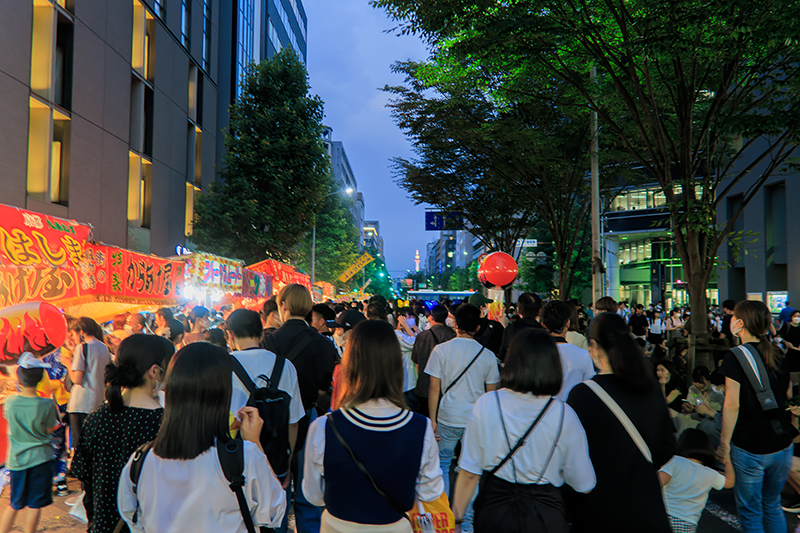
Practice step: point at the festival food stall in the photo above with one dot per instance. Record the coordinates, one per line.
(208, 278)
(324, 291)
(280, 274)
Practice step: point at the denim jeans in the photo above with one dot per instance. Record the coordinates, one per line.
(449, 437)
(307, 515)
(759, 480)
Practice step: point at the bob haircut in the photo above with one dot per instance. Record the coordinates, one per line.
(198, 400)
(533, 364)
(136, 356)
(695, 444)
(372, 366)
(297, 299)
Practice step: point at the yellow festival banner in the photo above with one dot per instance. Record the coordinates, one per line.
(353, 269)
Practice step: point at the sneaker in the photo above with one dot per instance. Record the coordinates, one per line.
(62, 489)
(794, 509)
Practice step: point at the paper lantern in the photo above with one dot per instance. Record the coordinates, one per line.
(498, 269)
(36, 327)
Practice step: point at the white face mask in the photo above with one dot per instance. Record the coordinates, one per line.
(735, 331)
(128, 329)
(411, 321)
(339, 340)
(450, 323)
(796, 320)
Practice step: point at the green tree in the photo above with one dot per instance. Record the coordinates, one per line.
(276, 171)
(376, 271)
(702, 95)
(337, 239)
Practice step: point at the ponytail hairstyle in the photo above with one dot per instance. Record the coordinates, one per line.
(756, 319)
(136, 356)
(625, 356)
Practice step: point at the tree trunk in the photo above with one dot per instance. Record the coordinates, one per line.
(697, 285)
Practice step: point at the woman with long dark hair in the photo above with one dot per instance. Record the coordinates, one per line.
(630, 435)
(555, 451)
(181, 485)
(756, 435)
(130, 418)
(396, 447)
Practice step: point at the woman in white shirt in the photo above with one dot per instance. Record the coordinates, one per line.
(406, 336)
(554, 452)
(181, 485)
(396, 447)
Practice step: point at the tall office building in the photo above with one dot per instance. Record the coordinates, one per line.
(345, 179)
(109, 114)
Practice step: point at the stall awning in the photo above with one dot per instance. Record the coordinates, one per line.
(281, 274)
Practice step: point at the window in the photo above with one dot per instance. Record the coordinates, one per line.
(191, 193)
(273, 36)
(186, 22)
(159, 6)
(207, 35)
(140, 193)
(192, 107)
(287, 26)
(244, 45)
(194, 155)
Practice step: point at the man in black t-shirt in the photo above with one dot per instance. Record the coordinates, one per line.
(490, 332)
(638, 323)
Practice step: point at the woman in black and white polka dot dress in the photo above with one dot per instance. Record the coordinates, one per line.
(130, 417)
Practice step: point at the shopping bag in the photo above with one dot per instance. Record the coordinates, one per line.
(433, 517)
(78, 511)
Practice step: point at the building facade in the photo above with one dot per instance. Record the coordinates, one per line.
(346, 180)
(372, 236)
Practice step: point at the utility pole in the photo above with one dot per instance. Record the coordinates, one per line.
(597, 260)
(313, 254)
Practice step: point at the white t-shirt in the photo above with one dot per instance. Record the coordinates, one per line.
(657, 326)
(686, 493)
(409, 367)
(193, 495)
(259, 362)
(484, 444)
(447, 361)
(576, 363)
(90, 394)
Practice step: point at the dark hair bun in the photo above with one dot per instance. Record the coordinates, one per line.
(123, 376)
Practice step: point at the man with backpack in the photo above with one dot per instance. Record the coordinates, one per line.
(268, 382)
(314, 357)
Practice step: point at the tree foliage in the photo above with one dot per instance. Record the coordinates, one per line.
(702, 95)
(276, 171)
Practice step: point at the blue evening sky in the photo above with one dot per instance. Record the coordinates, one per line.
(349, 58)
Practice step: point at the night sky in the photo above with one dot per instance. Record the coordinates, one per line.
(349, 58)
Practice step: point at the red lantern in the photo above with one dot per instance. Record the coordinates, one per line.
(498, 269)
(36, 327)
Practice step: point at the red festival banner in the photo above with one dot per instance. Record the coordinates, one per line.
(281, 274)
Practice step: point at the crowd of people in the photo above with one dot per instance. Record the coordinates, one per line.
(556, 418)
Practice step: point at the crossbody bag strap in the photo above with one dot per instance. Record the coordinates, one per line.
(364, 471)
(521, 440)
(463, 372)
(297, 348)
(555, 443)
(622, 417)
(505, 432)
(753, 366)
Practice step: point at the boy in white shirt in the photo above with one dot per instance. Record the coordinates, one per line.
(576, 363)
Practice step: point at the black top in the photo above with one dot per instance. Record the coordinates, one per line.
(490, 334)
(423, 346)
(511, 330)
(314, 364)
(638, 324)
(754, 432)
(627, 494)
(676, 383)
(107, 442)
(791, 334)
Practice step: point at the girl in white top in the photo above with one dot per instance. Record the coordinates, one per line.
(406, 336)
(688, 478)
(181, 485)
(556, 452)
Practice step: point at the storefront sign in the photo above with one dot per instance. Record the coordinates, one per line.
(214, 272)
(29, 239)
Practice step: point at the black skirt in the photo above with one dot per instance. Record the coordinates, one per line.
(505, 507)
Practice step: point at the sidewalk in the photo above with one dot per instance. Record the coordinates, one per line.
(54, 517)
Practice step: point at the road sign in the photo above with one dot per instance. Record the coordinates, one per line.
(530, 256)
(442, 220)
(353, 269)
(527, 243)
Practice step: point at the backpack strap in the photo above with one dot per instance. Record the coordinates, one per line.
(299, 346)
(243, 376)
(364, 471)
(136, 471)
(753, 366)
(277, 372)
(231, 459)
(463, 372)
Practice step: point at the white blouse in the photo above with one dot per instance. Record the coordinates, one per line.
(430, 484)
(485, 446)
(193, 495)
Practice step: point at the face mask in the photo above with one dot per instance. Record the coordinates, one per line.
(128, 329)
(736, 330)
(411, 321)
(796, 320)
(339, 340)
(450, 323)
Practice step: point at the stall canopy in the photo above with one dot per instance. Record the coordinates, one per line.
(324, 290)
(281, 274)
(45, 258)
(211, 275)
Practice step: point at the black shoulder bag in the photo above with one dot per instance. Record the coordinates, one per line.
(364, 472)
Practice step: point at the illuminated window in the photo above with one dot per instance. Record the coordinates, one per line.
(186, 22)
(192, 93)
(159, 6)
(207, 35)
(140, 193)
(191, 194)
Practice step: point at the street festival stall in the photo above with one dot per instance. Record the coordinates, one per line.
(209, 278)
(280, 274)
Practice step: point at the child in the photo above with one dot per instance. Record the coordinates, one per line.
(31, 421)
(688, 478)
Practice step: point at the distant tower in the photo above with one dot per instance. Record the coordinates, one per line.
(416, 260)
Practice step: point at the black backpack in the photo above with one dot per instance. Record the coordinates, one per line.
(273, 407)
(231, 459)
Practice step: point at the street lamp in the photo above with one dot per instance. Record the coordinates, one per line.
(348, 192)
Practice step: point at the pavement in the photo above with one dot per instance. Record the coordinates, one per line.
(720, 515)
(54, 517)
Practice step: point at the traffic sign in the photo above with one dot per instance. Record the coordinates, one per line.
(527, 243)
